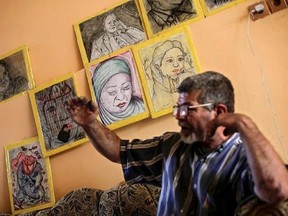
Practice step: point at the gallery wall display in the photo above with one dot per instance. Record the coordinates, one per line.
(163, 63)
(29, 177)
(116, 88)
(110, 30)
(161, 15)
(15, 73)
(56, 129)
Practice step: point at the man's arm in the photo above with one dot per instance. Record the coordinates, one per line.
(268, 170)
(84, 113)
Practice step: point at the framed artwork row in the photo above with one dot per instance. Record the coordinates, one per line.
(130, 22)
(126, 83)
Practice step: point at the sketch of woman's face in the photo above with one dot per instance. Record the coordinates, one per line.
(116, 93)
(172, 63)
(110, 23)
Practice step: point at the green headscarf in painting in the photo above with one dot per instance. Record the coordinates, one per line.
(102, 73)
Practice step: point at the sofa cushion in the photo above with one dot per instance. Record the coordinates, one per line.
(135, 199)
(255, 207)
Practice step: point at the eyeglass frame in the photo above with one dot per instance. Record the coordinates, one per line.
(186, 108)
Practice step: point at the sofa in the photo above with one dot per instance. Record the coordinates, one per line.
(124, 199)
(136, 200)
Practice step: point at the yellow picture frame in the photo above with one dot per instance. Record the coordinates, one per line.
(160, 77)
(212, 8)
(112, 29)
(116, 110)
(29, 177)
(16, 73)
(56, 130)
(156, 21)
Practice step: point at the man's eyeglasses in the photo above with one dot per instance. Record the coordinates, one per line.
(184, 109)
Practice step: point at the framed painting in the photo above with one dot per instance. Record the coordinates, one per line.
(116, 88)
(29, 177)
(211, 7)
(15, 73)
(110, 30)
(56, 129)
(163, 63)
(161, 15)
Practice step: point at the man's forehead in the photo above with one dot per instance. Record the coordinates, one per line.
(188, 97)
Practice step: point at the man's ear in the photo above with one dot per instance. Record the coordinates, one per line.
(220, 108)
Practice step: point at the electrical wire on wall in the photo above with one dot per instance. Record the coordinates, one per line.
(266, 90)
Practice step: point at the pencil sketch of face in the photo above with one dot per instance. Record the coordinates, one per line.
(11, 85)
(168, 59)
(110, 23)
(117, 92)
(4, 80)
(54, 115)
(114, 91)
(172, 63)
(169, 66)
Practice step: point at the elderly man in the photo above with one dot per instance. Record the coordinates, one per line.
(218, 159)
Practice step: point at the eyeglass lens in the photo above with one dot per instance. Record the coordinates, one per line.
(182, 110)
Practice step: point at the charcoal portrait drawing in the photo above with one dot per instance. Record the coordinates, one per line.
(13, 76)
(110, 31)
(163, 14)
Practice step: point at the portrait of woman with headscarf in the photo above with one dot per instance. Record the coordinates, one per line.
(113, 88)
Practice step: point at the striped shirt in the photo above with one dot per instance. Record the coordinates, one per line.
(192, 183)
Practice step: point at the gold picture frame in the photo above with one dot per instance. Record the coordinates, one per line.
(56, 130)
(116, 87)
(16, 73)
(163, 63)
(112, 29)
(29, 177)
(161, 16)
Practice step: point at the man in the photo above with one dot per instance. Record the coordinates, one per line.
(218, 159)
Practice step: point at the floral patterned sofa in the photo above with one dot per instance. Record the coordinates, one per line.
(137, 199)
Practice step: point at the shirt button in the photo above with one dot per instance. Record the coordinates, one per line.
(195, 186)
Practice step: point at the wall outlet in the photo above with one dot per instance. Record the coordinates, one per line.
(276, 5)
(258, 10)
